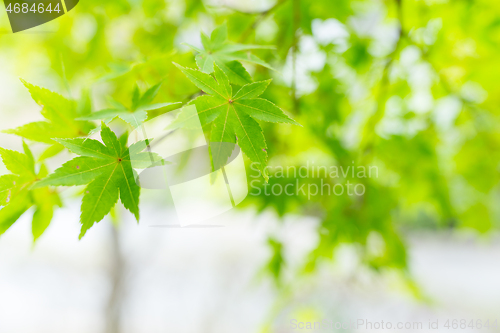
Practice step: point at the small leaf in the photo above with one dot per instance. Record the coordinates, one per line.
(107, 170)
(135, 98)
(29, 155)
(61, 115)
(150, 94)
(218, 50)
(7, 183)
(232, 116)
(41, 220)
(16, 194)
(100, 196)
(219, 35)
(87, 147)
(252, 90)
(13, 211)
(17, 163)
(111, 141)
(129, 190)
(51, 151)
(84, 104)
(203, 81)
(223, 82)
(79, 171)
(208, 108)
(135, 119)
(134, 115)
(235, 71)
(45, 201)
(264, 110)
(123, 139)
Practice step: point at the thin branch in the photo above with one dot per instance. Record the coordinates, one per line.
(384, 83)
(261, 17)
(296, 25)
(116, 276)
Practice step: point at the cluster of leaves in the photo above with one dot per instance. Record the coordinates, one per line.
(62, 119)
(107, 170)
(217, 50)
(17, 196)
(432, 174)
(136, 113)
(106, 167)
(233, 115)
(231, 105)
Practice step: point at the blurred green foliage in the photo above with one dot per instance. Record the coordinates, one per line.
(408, 86)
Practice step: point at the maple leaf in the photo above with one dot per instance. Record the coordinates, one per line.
(218, 50)
(61, 120)
(233, 115)
(107, 171)
(134, 115)
(16, 195)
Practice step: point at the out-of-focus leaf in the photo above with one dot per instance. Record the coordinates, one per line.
(217, 50)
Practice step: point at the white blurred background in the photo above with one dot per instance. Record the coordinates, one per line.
(207, 279)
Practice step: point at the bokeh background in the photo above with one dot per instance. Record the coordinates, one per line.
(407, 86)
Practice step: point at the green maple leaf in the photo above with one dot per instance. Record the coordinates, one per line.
(233, 116)
(136, 113)
(107, 169)
(61, 119)
(218, 50)
(16, 197)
